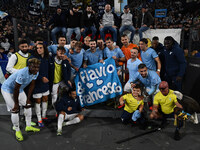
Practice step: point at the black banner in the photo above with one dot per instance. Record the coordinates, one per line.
(191, 82)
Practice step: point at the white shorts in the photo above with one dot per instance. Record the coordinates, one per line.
(9, 99)
(56, 86)
(39, 95)
(127, 87)
(70, 116)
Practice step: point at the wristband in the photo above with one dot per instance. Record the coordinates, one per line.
(158, 70)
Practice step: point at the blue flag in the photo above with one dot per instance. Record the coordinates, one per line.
(98, 83)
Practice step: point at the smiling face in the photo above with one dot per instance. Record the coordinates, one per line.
(143, 72)
(142, 45)
(134, 53)
(93, 45)
(125, 41)
(72, 94)
(136, 92)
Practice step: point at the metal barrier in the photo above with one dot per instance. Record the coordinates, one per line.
(29, 31)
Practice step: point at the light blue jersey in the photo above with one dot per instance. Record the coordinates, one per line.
(93, 58)
(148, 58)
(22, 77)
(115, 52)
(53, 49)
(133, 68)
(77, 58)
(151, 82)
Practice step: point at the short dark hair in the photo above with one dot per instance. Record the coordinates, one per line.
(136, 48)
(169, 38)
(109, 38)
(62, 36)
(74, 39)
(23, 41)
(2, 48)
(78, 44)
(155, 38)
(61, 48)
(99, 39)
(39, 39)
(124, 35)
(141, 66)
(92, 40)
(137, 86)
(144, 40)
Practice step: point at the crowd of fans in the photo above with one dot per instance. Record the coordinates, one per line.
(48, 68)
(178, 16)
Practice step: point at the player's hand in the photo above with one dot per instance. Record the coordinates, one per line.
(82, 29)
(28, 103)
(100, 27)
(121, 102)
(84, 66)
(158, 72)
(69, 83)
(114, 57)
(45, 80)
(76, 69)
(133, 85)
(69, 108)
(15, 109)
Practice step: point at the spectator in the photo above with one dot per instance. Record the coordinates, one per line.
(145, 20)
(69, 109)
(3, 60)
(11, 51)
(92, 55)
(89, 22)
(132, 66)
(5, 44)
(127, 22)
(149, 56)
(59, 21)
(74, 24)
(175, 63)
(108, 22)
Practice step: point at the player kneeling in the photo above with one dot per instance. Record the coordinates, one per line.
(68, 108)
